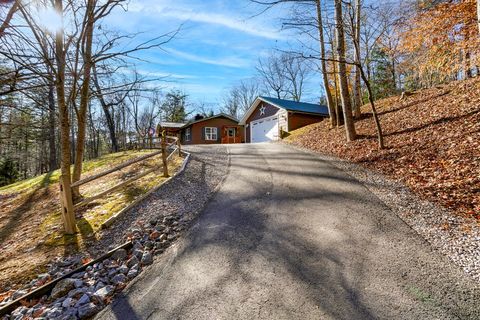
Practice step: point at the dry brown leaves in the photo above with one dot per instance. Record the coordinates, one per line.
(432, 139)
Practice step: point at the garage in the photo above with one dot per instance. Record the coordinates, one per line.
(271, 119)
(264, 130)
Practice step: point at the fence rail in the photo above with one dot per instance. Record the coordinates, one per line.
(66, 191)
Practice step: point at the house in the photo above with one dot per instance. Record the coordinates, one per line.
(220, 128)
(172, 128)
(268, 119)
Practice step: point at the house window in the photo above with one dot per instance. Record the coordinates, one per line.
(210, 133)
(188, 134)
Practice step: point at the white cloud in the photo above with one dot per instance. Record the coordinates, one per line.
(228, 19)
(223, 20)
(233, 62)
(176, 76)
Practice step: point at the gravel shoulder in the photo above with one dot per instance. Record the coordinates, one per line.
(456, 237)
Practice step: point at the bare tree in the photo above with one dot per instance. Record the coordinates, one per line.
(272, 73)
(344, 92)
(328, 94)
(240, 97)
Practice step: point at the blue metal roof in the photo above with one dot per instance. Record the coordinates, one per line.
(295, 106)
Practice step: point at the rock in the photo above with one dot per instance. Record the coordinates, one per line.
(137, 245)
(87, 310)
(99, 286)
(69, 261)
(163, 237)
(154, 235)
(132, 273)
(62, 287)
(52, 313)
(78, 283)
(70, 314)
(83, 300)
(138, 253)
(153, 222)
(75, 293)
(147, 258)
(132, 261)
(119, 278)
(78, 275)
(149, 245)
(104, 292)
(17, 294)
(123, 269)
(67, 302)
(160, 227)
(112, 273)
(120, 254)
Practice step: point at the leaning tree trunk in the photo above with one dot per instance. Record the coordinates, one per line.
(344, 93)
(68, 216)
(84, 96)
(331, 107)
(381, 144)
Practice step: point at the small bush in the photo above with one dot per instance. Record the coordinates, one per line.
(8, 171)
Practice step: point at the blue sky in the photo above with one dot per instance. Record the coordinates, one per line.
(218, 45)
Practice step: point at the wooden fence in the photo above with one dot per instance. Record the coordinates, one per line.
(66, 192)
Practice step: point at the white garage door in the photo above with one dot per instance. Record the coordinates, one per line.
(264, 129)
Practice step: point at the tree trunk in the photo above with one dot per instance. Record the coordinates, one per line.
(344, 93)
(84, 96)
(106, 112)
(357, 87)
(331, 107)
(52, 160)
(374, 110)
(68, 216)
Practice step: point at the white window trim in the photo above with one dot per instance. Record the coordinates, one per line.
(188, 134)
(212, 135)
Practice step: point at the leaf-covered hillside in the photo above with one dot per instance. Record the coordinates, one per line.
(432, 139)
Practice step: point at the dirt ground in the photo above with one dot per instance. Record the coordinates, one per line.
(30, 221)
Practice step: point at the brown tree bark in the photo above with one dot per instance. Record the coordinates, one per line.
(68, 216)
(52, 146)
(84, 95)
(328, 94)
(8, 18)
(357, 87)
(344, 92)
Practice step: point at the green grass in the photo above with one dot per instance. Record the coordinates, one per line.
(47, 179)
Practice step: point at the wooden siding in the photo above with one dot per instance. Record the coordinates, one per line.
(298, 120)
(197, 133)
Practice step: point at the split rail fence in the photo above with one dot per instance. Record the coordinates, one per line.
(66, 192)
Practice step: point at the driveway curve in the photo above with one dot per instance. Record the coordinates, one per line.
(289, 236)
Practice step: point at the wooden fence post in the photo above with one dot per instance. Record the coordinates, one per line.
(179, 146)
(164, 153)
(66, 201)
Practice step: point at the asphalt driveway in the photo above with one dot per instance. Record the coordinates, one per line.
(289, 236)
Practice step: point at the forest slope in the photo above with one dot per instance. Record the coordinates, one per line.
(432, 140)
